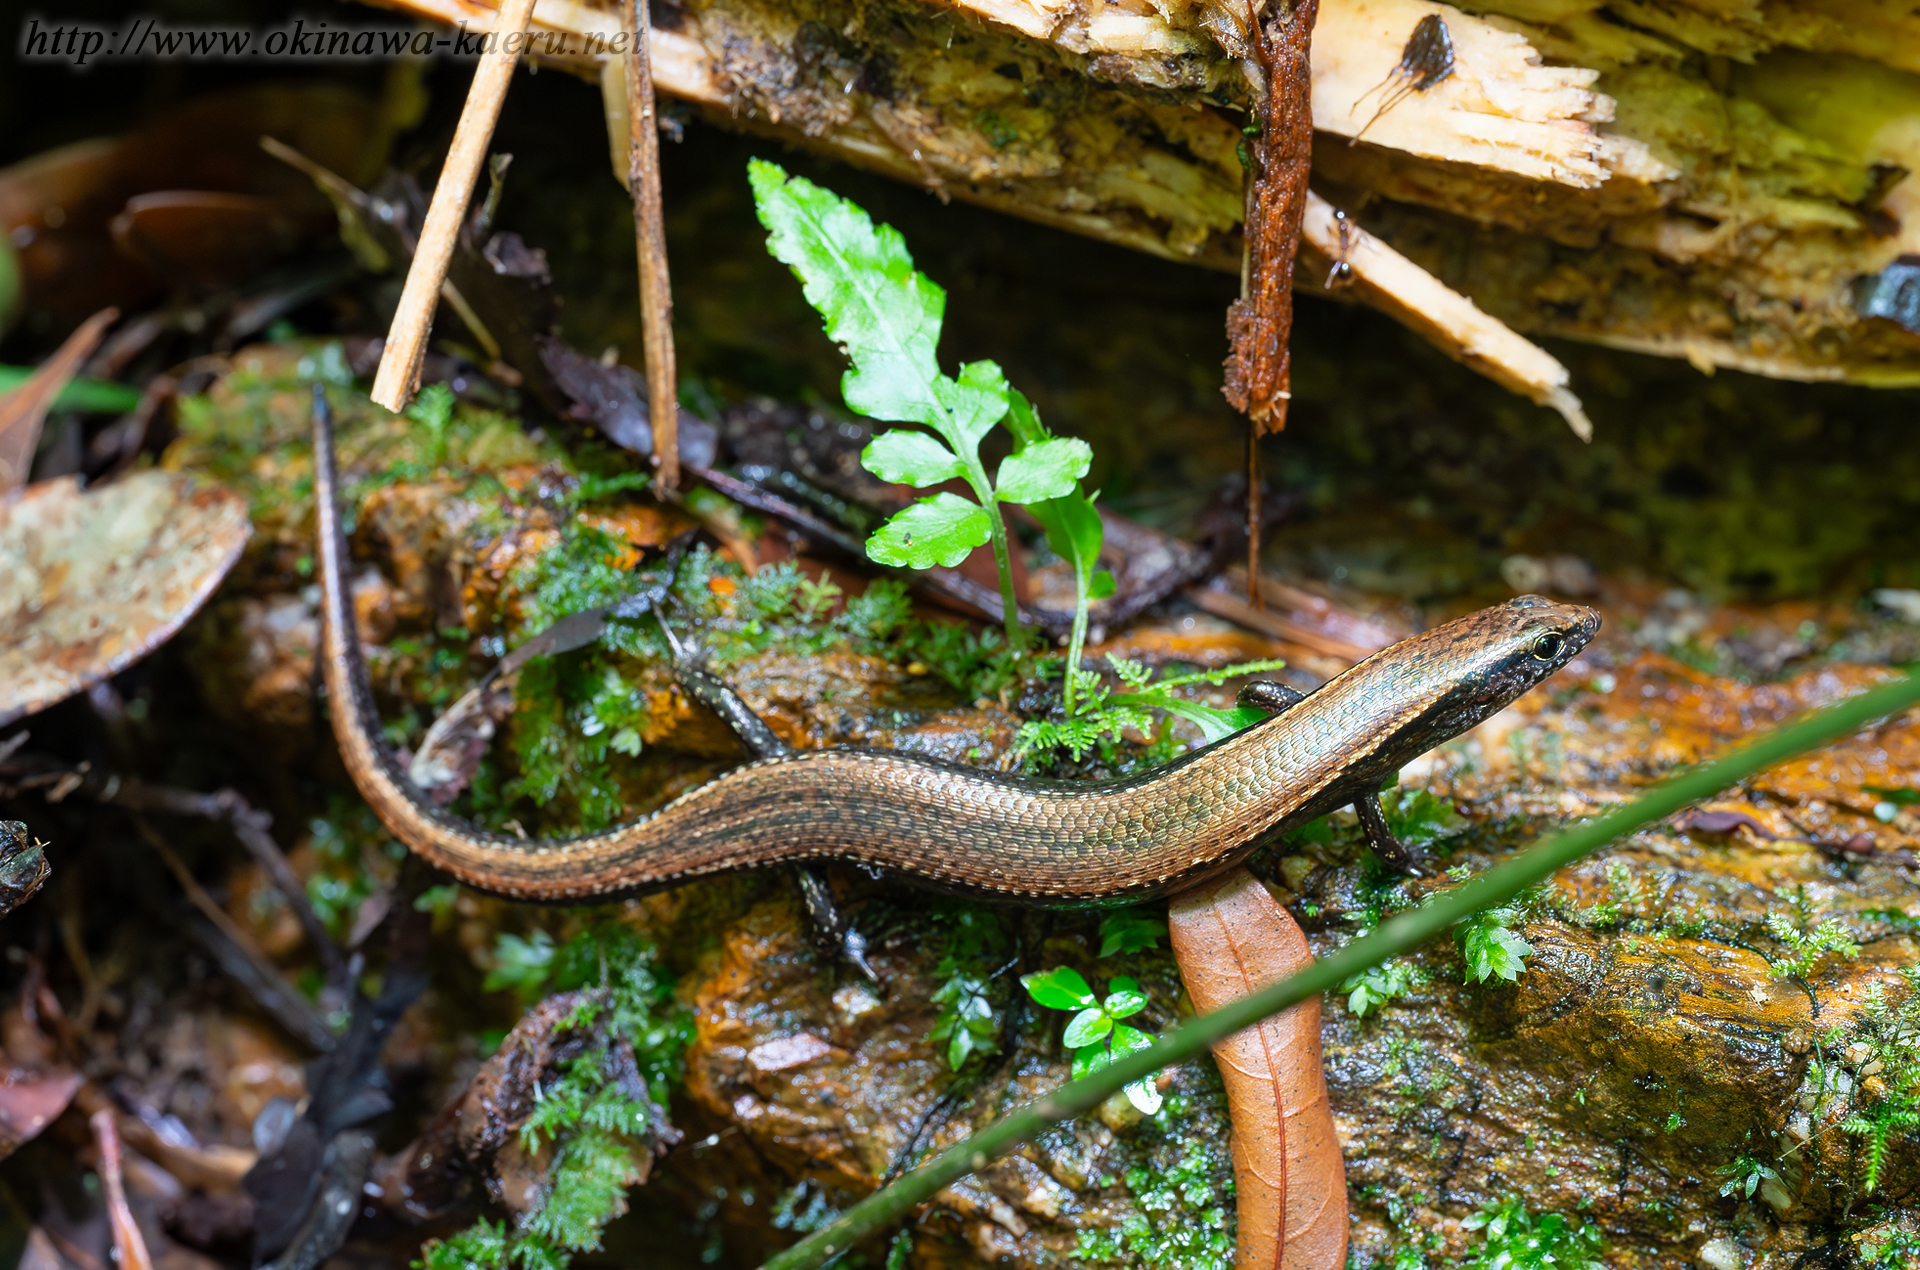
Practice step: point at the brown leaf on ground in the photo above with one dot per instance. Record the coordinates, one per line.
(24, 409)
(1232, 938)
(29, 1102)
(90, 582)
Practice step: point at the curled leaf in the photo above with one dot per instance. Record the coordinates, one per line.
(1231, 938)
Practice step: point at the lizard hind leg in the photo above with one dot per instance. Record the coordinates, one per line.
(833, 935)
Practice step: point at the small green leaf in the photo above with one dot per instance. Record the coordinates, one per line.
(937, 530)
(626, 740)
(861, 279)
(1023, 420)
(1086, 1027)
(1130, 931)
(1129, 1040)
(1100, 586)
(521, 964)
(1491, 949)
(1125, 999)
(1048, 470)
(1061, 988)
(1142, 1094)
(975, 402)
(913, 458)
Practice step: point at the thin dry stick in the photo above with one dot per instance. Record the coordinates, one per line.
(650, 231)
(1254, 597)
(128, 1243)
(399, 374)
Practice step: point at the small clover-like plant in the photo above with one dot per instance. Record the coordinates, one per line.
(1095, 1036)
(1375, 987)
(1511, 1238)
(1492, 951)
(886, 316)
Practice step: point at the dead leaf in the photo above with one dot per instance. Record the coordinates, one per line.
(91, 582)
(23, 410)
(29, 1102)
(1231, 938)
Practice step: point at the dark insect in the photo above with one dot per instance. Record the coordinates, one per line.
(1341, 274)
(1426, 60)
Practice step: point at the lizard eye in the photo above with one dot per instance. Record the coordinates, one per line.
(1548, 645)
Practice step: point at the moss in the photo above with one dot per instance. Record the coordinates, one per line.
(1183, 1191)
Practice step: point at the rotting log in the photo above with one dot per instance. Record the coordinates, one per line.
(1681, 178)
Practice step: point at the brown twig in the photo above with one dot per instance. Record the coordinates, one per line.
(399, 373)
(1253, 517)
(1267, 622)
(250, 825)
(650, 232)
(241, 957)
(129, 1245)
(1259, 373)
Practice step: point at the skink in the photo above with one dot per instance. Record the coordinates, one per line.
(958, 829)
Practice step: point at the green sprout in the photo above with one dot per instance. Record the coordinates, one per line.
(967, 1021)
(886, 316)
(1514, 1239)
(1375, 987)
(1491, 950)
(1806, 943)
(1095, 1036)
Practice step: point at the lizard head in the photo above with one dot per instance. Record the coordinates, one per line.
(1475, 666)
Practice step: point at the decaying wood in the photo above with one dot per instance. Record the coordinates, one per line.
(1231, 938)
(1624, 194)
(1260, 322)
(1450, 321)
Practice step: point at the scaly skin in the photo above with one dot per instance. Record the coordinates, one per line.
(957, 829)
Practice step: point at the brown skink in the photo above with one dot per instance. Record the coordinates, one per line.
(958, 829)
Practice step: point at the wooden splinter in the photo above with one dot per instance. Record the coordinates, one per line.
(649, 227)
(399, 374)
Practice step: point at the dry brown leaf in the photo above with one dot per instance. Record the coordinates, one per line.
(91, 582)
(29, 1101)
(24, 409)
(1232, 938)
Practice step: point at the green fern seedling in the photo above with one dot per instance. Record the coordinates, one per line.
(886, 316)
